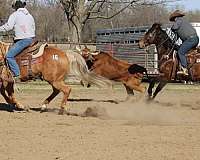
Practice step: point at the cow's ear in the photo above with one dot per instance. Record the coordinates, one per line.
(85, 47)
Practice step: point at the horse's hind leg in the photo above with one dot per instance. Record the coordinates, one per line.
(61, 86)
(50, 98)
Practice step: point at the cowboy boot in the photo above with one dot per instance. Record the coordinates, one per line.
(183, 71)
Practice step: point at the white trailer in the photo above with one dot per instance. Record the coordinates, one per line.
(196, 25)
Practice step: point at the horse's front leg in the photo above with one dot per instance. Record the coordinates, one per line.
(3, 93)
(151, 86)
(160, 86)
(10, 98)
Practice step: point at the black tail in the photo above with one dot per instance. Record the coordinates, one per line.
(135, 68)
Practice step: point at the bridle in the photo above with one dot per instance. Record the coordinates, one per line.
(169, 51)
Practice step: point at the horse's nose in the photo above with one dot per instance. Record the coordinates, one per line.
(141, 43)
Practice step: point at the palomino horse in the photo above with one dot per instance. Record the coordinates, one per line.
(7, 86)
(53, 65)
(167, 59)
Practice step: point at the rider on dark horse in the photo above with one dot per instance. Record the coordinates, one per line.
(24, 26)
(187, 34)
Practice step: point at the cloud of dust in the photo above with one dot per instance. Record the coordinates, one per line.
(142, 112)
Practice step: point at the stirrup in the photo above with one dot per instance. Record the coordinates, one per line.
(17, 79)
(184, 71)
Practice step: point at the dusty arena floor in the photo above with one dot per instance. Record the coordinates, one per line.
(166, 129)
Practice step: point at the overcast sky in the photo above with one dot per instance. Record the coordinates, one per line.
(189, 4)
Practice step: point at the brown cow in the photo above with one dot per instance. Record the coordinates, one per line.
(104, 64)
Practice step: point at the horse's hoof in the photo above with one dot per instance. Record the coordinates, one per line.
(89, 85)
(43, 110)
(61, 112)
(150, 94)
(27, 109)
(149, 98)
(19, 109)
(22, 108)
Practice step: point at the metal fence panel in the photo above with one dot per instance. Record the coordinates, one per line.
(123, 44)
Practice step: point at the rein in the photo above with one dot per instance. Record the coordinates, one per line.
(168, 45)
(169, 52)
(166, 56)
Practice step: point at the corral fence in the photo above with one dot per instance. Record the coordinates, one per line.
(123, 43)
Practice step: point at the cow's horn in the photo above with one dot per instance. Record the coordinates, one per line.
(94, 53)
(78, 49)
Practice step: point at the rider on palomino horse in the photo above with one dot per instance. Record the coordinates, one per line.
(24, 26)
(187, 34)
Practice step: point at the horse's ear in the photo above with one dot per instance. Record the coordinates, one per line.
(158, 25)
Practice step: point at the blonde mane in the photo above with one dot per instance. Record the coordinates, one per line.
(4, 47)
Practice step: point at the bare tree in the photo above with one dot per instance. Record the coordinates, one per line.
(78, 12)
(5, 9)
(81, 18)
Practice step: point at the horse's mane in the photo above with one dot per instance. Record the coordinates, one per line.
(164, 36)
(3, 43)
(4, 47)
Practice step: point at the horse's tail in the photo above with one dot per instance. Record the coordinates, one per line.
(78, 67)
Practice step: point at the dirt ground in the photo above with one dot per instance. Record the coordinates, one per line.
(166, 129)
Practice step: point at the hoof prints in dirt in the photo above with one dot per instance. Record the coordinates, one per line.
(165, 104)
(88, 100)
(53, 110)
(187, 104)
(89, 112)
(99, 112)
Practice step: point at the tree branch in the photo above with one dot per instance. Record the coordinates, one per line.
(118, 12)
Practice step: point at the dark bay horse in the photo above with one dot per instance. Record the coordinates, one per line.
(7, 86)
(53, 65)
(104, 64)
(167, 58)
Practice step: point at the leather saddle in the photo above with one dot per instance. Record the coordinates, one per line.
(25, 58)
(31, 49)
(194, 55)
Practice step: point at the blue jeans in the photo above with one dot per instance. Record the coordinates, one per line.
(15, 50)
(185, 47)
